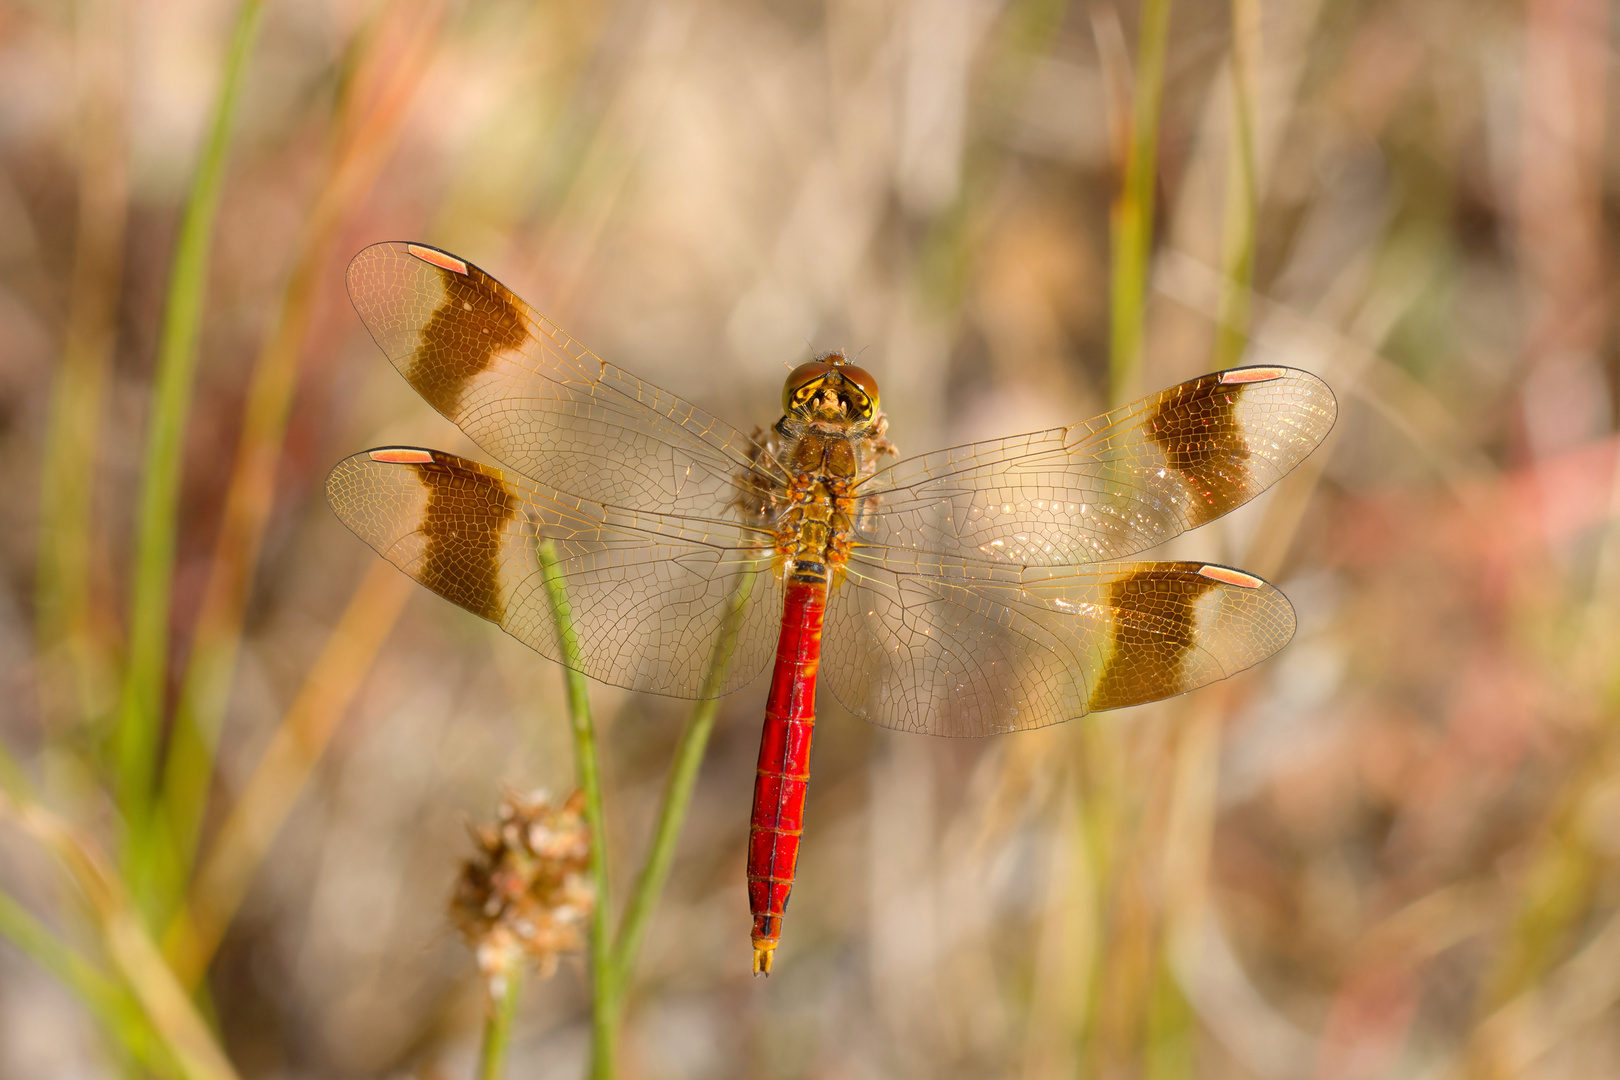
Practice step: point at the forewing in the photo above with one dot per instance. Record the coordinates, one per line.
(1108, 488)
(650, 597)
(537, 400)
(950, 647)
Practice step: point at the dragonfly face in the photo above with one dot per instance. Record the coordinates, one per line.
(968, 591)
(830, 389)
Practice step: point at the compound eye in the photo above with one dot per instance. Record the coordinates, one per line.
(799, 383)
(862, 380)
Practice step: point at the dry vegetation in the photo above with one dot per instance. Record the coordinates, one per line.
(1392, 851)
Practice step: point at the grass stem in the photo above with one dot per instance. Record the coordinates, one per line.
(133, 954)
(649, 884)
(107, 1000)
(1110, 811)
(603, 1013)
(1171, 1025)
(498, 1020)
(141, 702)
(365, 124)
(612, 959)
(678, 787)
(1242, 191)
(1133, 209)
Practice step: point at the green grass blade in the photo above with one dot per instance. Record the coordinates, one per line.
(677, 798)
(124, 938)
(37, 941)
(497, 1038)
(1242, 209)
(1108, 814)
(141, 704)
(373, 99)
(112, 1006)
(603, 1014)
(1132, 216)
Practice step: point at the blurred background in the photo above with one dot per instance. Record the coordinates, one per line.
(1391, 851)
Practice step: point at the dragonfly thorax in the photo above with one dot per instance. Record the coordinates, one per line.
(813, 532)
(824, 461)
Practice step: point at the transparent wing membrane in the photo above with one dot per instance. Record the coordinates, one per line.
(949, 647)
(537, 400)
(649, 595)
(1108, 488)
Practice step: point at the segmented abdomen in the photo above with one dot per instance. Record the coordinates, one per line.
(784, 762)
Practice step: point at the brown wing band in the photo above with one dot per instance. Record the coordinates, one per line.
(478, 319)
(467, 509)
(1195, 428)
(1155, 624)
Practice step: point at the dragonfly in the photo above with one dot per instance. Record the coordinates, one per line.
(969, 591)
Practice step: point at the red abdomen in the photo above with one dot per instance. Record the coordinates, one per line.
(784, 764)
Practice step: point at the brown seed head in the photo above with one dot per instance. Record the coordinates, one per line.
(526, 892)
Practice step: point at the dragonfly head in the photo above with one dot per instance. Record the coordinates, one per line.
(831, 388)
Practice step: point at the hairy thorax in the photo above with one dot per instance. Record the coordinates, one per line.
(812, 522)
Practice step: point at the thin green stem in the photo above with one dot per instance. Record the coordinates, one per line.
(127, 944)
(109, 1002)
(1132, 217)
(1171, 1027)
(19, 926)
(1242, 192)
(1099, 829)
(373, 94)
(141, 703)
(498, 1021)
(671, 815)
(678, 787)
(603, 1014)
